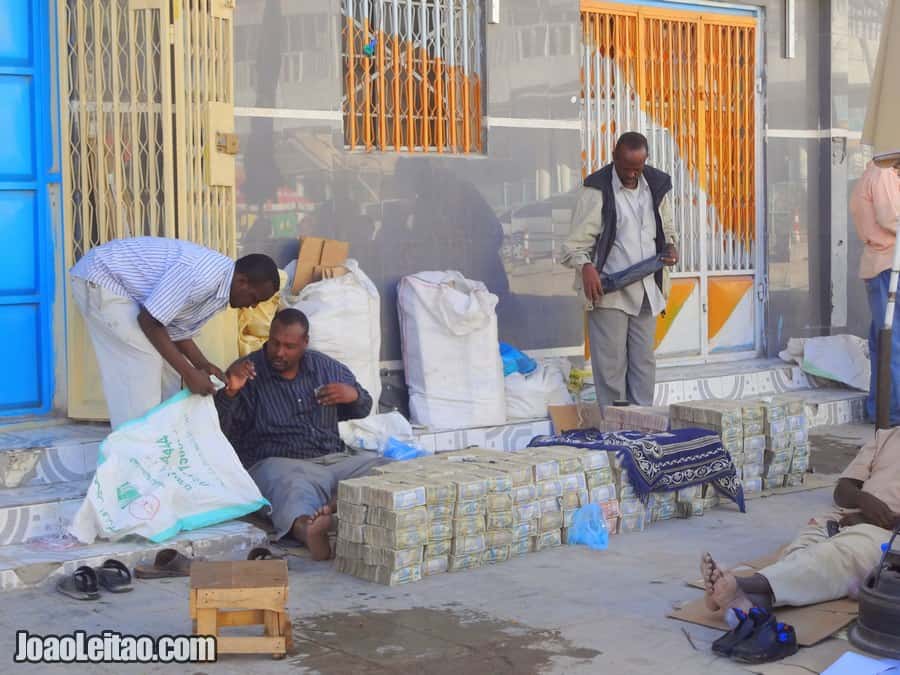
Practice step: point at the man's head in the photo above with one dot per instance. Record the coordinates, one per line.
(629, 157)
(288, 340)
(255, 280)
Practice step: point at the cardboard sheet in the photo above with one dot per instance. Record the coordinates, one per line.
(813, 623)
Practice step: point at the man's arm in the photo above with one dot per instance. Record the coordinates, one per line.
(670, 253)
(586, 227)
(352, 400)
(193, 353)
(846, 493)
(196, 380)
(233, 403)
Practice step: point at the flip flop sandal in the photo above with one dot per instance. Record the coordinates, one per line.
(262, 553)
(82, 585)
(169, 563)
(114, 576)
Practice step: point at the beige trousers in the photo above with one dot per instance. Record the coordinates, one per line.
(135, 376)
(815, 568)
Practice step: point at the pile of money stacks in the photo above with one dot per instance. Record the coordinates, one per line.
(741, 425)
(787, 442)
(465, 509)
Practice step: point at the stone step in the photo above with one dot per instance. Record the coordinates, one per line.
(38, 510)
(46, 455)
(41, 562)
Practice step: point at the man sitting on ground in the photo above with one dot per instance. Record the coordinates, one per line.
(820, 565)
(280, 410)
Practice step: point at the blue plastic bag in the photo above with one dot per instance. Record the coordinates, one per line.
(400, 451)
(515, 361)
(589, 528)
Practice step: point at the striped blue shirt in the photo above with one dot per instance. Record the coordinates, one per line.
(275, 417)
(181, 284)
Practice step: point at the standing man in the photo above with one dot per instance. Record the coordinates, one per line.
(875, 207)
(144, 299)
(622, 218)
(280, 410)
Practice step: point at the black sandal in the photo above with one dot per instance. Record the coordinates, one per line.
(262, 553)
(82, 585)
(114, 576)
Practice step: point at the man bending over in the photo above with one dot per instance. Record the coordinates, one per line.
(825, 562)
(280, 410)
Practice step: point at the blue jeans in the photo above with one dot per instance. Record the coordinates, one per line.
(877, 290)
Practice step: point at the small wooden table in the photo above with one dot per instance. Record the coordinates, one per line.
(242, 593)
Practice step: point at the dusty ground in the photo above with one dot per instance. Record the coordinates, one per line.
(569, 610)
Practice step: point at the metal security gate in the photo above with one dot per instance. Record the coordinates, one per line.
(688, 82)
(148, 144)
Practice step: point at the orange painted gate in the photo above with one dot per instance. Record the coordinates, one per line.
(687, 80)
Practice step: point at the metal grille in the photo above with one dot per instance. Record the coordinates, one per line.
(412, 75)
(687, 82)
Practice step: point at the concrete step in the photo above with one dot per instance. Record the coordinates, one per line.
(46, 455)
(41, 562)
(36, 511)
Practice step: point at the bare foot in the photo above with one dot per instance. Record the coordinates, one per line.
(727, 593)
(710, 573)
(313, 532)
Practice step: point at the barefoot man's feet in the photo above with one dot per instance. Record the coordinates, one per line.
(727, 594)
(710, 573)
(313, 531)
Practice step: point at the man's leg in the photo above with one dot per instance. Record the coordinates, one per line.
(608, 330)
(641, 376)
(131, 369)
(814, 568)
(297, 489)
(877, 291)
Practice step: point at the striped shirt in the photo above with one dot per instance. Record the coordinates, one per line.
(275, 417)
(181, 284)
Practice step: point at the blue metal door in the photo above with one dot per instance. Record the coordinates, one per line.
(26, 276)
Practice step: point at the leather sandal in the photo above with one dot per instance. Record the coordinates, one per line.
(114, 576)
(262, 553)
(169, 563)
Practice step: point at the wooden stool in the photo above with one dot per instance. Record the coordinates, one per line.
(242, 593)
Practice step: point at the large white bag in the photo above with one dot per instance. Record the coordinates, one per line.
(168, 471)
(527, 396)
(842, 358)
(374, 432)
(344, 322)
(451, 356)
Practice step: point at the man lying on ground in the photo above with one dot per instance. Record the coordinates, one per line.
(824, 562)
(280, 410)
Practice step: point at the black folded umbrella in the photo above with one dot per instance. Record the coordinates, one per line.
(619, 280)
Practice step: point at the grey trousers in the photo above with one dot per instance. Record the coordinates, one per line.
(622, 355)
(300, 487)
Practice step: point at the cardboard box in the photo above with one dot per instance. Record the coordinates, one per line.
(317, 255)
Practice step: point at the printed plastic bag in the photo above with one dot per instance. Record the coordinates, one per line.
(168, 471)
(589, 528)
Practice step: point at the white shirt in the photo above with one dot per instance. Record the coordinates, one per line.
(181, 284)
(635, 241)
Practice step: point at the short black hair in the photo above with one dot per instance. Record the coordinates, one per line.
(290, 317)
(632, 140)
(259, 269)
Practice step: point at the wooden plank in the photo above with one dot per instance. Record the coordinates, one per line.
(250, 645)
(242, 617)
(242, 598)
(272, 623)
(207, 622)
(287, 630)
(238, 574)
(192, 603)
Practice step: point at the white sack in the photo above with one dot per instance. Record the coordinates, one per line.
(344, 322)
(451, 355)
(373, 432)
(841, 358)
(168, 471)
(527, 396)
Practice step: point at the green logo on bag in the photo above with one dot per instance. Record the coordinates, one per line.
(126, 493)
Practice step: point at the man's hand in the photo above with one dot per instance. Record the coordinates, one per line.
(336, 394)
(198, 382)
(212, 369)
(590, 278)
(670, 255)
(238, 375)
(876, 511)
